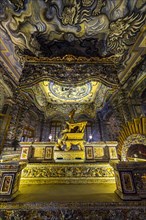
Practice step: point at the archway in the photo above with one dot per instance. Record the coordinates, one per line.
(134, 139)
(137, 151)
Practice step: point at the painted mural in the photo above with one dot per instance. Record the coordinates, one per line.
(85, 28)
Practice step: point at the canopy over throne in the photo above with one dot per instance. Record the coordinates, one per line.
(72, 135)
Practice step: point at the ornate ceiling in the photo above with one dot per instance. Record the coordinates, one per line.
(73, 53)
(52, 98)
(88, 28)
(56, 93)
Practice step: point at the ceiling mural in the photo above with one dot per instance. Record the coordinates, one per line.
(70, 93)
(81, 28)
(71, 54)
(56, 93)
(88, 109)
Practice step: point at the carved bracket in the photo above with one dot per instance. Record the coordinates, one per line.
(69, 73)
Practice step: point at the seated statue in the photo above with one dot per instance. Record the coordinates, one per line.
(72, 135)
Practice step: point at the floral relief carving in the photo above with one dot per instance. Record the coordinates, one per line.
(35, 172)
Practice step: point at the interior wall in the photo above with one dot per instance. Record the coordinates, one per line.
(109, 124)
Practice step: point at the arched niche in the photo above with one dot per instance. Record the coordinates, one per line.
(137, 150)
(132, 140)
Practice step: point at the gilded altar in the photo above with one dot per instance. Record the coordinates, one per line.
(67, 173)
(70, 160)
(101, 151)
(49, 166)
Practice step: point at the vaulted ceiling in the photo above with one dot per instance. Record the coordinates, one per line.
(71, 53)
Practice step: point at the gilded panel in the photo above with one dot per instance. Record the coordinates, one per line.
(67, 170)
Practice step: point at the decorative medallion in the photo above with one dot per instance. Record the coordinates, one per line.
(70, 93)
(58, 94)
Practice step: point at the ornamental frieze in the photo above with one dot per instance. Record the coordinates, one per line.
(114, 59)
(67, 171)
(69, 73)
